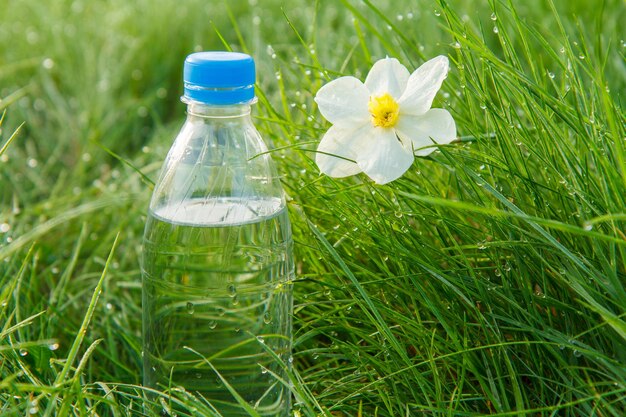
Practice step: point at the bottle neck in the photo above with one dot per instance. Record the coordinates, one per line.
(203, 110)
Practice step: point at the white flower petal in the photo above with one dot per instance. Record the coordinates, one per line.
(344, 101)
(341, 142)
(435, 125)
(387, 75)
(381, 155)
(423, 85)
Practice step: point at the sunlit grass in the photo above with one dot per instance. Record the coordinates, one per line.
(487, 280)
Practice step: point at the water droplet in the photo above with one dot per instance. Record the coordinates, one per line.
(551, 74)
(221, 311)
(5, 227)
(588, 226)
(53, 346)
(456, 45)
(581, 56)
(562, 50)
(399, 17)
(235, 300)
(48, 63)
(267, 318)
(494, 17)
(190, 308)
(232, 290)
(495, 29)
(398, 214)
(577, 353)
(260, 339)
(23, 352)
(437, 13)
(33, 410)
(212, 324)
(263, 370)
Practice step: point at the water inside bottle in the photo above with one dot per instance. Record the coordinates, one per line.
(216, 299)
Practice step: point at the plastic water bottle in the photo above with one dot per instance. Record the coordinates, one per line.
(217, 260)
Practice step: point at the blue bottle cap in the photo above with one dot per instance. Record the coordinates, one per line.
(218, 77)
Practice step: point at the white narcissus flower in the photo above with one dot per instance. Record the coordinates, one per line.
(378, 126)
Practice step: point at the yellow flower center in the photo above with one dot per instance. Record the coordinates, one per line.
(384, 110)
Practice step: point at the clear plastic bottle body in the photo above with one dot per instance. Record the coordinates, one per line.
(217, 267)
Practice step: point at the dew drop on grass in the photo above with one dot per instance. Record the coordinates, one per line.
(551, 75)
(267, 318)
(212, 324)
(495, 29)
(437, 13)
(53, 346)
(5, 227)
(23, 352)
(588, 226)
(190, 308)
(494, 17)
(48, 63)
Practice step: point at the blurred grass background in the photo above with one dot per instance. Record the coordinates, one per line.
(488, 280)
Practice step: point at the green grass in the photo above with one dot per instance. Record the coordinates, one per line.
(488, 280)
